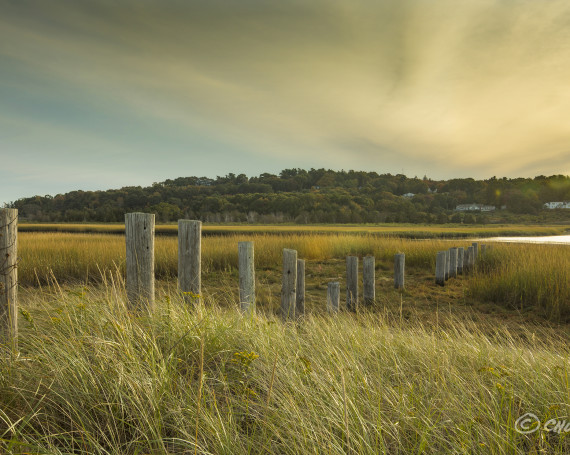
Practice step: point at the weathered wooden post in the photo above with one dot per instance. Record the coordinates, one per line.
(9, 277)
(453, 260)
(368, 278)
(399, 264)
(139, 233)
(300, 294)
(447, 265)
(246, 269)
(440, 267)
(333, 297)
(460, 257)
(289, 287)
(475, 253)
(189, 257)
(352, 283)
(468, 263)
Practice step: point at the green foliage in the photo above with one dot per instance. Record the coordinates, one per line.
(300, 196)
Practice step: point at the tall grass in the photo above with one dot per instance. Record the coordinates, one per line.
(80, 256)
(415, 231)
(92, 378)
(526, 277)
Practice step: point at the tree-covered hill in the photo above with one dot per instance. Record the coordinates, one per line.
(314, 196)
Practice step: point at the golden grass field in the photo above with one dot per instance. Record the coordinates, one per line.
(516, 276)
(401, 230)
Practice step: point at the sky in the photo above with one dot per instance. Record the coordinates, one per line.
(102, 94)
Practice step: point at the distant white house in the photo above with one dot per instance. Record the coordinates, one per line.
(557, 205)
(474, 208)
(408, 195)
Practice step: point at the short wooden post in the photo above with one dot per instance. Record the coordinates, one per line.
(189, 257)
(440, 267)
(352, 283)
(475, 253)
(460, 257)
(333, 297)
(453, 260)
(368, 278)
(9, 277)
(246, 267)
(300, 294)
(289, 287)
(399, 264)
(447, 265)
(139, 231)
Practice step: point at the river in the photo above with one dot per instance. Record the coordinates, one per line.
(551, 239)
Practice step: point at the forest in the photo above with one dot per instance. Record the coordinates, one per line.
(312, 196)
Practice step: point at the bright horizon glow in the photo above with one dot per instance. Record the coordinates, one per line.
(101, 94)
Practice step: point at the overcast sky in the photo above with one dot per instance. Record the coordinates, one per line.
(103, 94)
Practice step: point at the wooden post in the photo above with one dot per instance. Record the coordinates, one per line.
(447, 265)
(9, 277)
(453, 259)
(460, 257)
(399, 264)
(368, 278)
(139, 231)
(352, 283)
(333, 297)
(300, 294)
(440, 267)
(289, 287)
(483, 250)
(189, 257)
(246, 268)
(468, 262)
(475, 252)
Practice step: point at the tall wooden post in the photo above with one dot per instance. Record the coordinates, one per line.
(440, 267)
(289, 286)
(460, 258)
(9, 277)
(368, 279)
(189, 257)
(453, 260)
(300, 293)
(447, 265)
(468, 262)
(246, 268)
(333, 297)
(139, 230)
(399, 265)
(475, 252)
(352, 283)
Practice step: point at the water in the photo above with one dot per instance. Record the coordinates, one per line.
(551, 239)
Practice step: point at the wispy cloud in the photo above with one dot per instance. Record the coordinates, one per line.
(447, 88)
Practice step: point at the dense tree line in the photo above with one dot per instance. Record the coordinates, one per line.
(314, 196)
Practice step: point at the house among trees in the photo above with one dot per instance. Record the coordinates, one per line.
(474, 208)
(557, 205)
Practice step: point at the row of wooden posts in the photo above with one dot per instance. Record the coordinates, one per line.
(139, 233)
(456, 261)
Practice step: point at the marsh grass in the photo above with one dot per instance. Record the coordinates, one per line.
(92, 378)
(526, 277)
(84, 257)
(413, 231)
